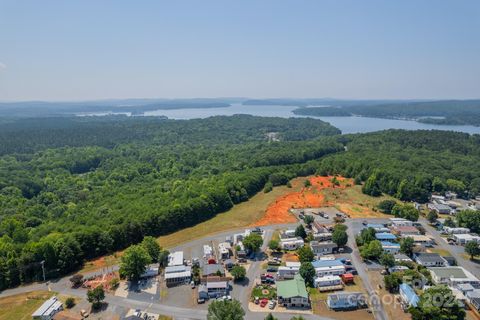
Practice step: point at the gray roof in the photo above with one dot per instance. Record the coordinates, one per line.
(401, 256)
(210, 269)
(429, 257)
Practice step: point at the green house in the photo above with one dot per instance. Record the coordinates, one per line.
(293, 293)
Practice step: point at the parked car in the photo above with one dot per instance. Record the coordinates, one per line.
(200, 300)
(256, 300)
(192, 284)
(272, 269)
(272, 304)
(263, 302)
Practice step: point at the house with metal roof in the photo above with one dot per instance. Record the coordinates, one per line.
(293, 293)
(398, 222)
(408, 295)
(453, 276)
(390, 247)
(400, 257)
(382, 236)
(213, 270)
(175, 258)
(48, 309)
(345, 300)
(175, 275)
(213, 289)
(322, 248)
(329, 267)
(430, 259)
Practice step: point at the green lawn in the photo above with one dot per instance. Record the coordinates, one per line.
(257, 292)
(21, 306)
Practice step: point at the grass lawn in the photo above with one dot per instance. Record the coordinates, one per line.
(21, 306)
(257, 292)
(241, 215)
(442, 252)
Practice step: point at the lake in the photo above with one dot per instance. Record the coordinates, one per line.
(346, 124)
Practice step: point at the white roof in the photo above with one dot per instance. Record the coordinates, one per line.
(48, 308)
(174, 275)
(294, 240)
(217, 284)
(327, 278)
(466, 236)
(207, 250)
(175, 258)
(293, 264)
(323, 268)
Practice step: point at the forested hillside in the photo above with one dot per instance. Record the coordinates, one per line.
(73, 189)
(410, 164)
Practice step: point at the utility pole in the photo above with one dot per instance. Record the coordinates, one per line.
(43, 269)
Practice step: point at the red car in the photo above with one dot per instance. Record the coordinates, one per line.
(263, 302)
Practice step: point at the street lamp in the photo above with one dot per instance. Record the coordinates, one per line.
(43, 269)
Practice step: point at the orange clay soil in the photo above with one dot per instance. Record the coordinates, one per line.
(308, 197)
(322, 193)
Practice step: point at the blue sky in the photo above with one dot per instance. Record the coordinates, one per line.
(76, 50)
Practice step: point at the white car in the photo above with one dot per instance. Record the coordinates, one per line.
(272, 304)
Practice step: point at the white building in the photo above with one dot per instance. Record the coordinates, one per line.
(224, 250)
(327, 281)
(175, 258)
(462, 239)
(48, 309)
(177, 275)
(453, 276)
(291, 243)
(453, 230)
(401, 222)
(287, 272)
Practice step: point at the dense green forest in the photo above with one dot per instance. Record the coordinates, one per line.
(452, 112)
(73, 189)
(76, 188)
(409, 164)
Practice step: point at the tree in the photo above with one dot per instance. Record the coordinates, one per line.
(366, 236)
(449, 222)
(371, 186)
(270, 317)
(307, 183)
(387, 260)
(152, 247)
(307, 271)
(69, 302)
(406, 211)
(268, 187)
(114, 283)
(297, 318)
(340, 237)
(238, 272)
(300, 232)
(372, 250)
(308, 220)
(134, 262)
(472, 249)
(274, 245)
(253, 241)
(96, 296)
(406, 246)
(438, 302)
(432, 216)
(469, 219)
(392, 282)
(386, 206)
(76, 280)
(305, 254)
(225, 310)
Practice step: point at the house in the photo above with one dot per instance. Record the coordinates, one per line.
(436, 197)
(290, 233)
(329, 267)
(175, 275)
(400, 222)
(462, 239)
(48, 309)
(151, 271)
(224, 250)
(328, 281)
(322, 248)
(408, 295)
(213, 270)
(213, 288)
(378, 227)
(288, 271)
(293, 293)
(453, 276)
(385, 236)
(400, 257)
(390, 247)
(465, 288)
(455, 230)
(440, 208)
(473, 297)
(403, 231)
(324, 236)
(318, 227)
(345, 300)
(175, 259)
(421, 240)
(291, 243)
(397, 268)
(229, 264)
(429, 259)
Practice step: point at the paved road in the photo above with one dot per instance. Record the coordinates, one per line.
(375, 304)
(455, 251)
